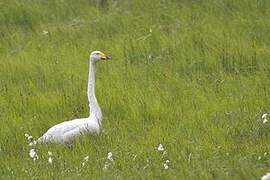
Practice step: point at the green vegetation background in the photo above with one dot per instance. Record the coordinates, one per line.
(190, 74)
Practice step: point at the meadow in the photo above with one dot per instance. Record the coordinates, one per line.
(192, 75)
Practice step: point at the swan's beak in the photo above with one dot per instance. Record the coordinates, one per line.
(105, 57)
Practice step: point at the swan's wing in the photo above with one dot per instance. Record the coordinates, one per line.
(87, 128)
(70, 135)
(57, 131)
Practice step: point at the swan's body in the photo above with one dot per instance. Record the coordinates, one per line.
(66, 131)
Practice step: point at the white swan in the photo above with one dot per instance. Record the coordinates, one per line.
(66, 131)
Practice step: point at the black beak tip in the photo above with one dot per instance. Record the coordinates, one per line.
(108, 57)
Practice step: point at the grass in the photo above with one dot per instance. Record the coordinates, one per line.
(192, 75)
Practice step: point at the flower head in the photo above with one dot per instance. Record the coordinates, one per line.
(45, 32)
(33, 154)
(110, 156)
(264, 116)
(106, 166)
(30, 138)
(86, 158)
(50, 153)
(165, 165)
(164, 153)
(160, 148)
(33, 143)
(50, 160)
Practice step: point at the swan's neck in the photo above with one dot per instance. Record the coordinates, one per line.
(93, 104)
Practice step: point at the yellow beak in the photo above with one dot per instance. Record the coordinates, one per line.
(104, 57)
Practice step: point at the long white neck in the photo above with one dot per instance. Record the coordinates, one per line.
(93, 104)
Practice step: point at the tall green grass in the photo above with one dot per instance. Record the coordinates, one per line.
(190, 74)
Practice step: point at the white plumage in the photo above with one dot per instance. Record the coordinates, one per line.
(66, 131)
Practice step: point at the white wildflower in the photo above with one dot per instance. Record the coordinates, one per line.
(164, 154)
(264, 116)
(33, 154)
(259, 158)
(266, 177)
(106, 166)
(36, 158)
(45, 32)
(26, 135)
(134, 157)
(167, 161)
(86, 158)
(165, 166)
(110, 156)
(50, 160)
(30, 138)
(33, 143)
(160, 148)
(50, 153)
(265, 154)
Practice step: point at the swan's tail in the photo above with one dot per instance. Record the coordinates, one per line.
(42, 139)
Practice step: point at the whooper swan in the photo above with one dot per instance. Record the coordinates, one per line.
(66, 131)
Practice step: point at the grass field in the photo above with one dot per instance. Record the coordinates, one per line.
(193, 75)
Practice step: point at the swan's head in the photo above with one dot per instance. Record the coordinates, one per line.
(98, 55)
